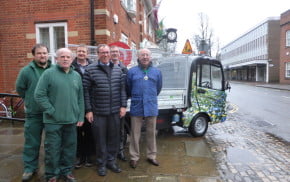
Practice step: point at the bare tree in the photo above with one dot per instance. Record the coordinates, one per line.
(204, 39)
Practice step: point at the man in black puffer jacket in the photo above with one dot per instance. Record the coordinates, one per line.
(105, 102)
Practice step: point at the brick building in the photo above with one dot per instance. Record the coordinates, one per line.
(285, 48)
(58, 23)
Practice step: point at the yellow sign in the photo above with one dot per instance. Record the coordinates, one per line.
(187, 48)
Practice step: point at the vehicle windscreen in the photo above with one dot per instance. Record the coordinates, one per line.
(174, 72)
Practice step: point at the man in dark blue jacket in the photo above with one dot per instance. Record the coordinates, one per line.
(144, 83)
(105, 103)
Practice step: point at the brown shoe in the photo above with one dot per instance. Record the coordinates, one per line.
(153, 162)
(133, 164)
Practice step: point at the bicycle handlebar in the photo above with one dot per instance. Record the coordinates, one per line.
(8, 95)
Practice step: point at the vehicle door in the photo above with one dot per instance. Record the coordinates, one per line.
(210, 96)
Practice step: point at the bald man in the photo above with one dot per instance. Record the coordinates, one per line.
(59, 93)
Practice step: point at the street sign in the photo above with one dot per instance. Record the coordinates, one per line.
(187, 48)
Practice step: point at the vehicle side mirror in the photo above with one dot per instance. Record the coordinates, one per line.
(228, 86)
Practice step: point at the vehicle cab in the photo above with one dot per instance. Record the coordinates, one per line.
(193, 93)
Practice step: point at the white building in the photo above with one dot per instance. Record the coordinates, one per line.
(254, 56)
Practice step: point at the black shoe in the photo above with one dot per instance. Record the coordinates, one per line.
(114, 167)
(121, 156)
(69, 178)
(88, 162)
(153, 162)
(102, 171)
(133, 164)
(79, 163)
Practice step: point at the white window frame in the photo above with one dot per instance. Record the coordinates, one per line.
(133, 46)
(287, 69)
(150, 27)
(129, 4)
(52, 49)
(124, 38)
(288, 38)
(145, 23)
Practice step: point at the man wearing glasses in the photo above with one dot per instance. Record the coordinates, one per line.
(105, 103)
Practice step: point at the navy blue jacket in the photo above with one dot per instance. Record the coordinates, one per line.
(104, 89)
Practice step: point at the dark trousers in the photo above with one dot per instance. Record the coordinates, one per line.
(106, 132)
(122, 135)
(85, 147)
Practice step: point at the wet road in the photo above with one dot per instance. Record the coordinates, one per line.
(264, 109)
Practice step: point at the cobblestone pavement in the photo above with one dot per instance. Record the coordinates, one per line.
(244, 154)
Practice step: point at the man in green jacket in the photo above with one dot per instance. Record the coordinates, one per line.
(60, 93)
(33, 126)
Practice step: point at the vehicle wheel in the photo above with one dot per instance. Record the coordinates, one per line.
(198, 126)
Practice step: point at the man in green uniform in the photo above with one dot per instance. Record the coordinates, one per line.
(60, 93)
(33, 126)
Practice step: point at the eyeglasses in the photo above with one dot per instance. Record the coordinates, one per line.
(104, 52)
(114, 51)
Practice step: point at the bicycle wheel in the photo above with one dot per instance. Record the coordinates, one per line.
(4, 112)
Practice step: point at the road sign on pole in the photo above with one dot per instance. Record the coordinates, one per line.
(187, 48)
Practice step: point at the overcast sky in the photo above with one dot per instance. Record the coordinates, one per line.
(228, 18)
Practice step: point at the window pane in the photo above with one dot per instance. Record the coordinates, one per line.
(59, 39)
(288, 38)
(216, 77)
(44, 36)
(124, 38)
(205, 78)
(287, 71)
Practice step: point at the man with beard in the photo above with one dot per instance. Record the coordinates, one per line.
(33, 126)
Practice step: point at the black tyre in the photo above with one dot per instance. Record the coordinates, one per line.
(198, 125)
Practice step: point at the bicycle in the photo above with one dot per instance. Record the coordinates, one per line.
(11, 107)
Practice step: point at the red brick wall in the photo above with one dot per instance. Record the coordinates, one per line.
(18, 18)
(126, 25)
(284, 51)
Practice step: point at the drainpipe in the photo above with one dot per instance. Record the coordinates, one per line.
(92, 4)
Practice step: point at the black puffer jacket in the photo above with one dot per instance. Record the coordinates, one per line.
(76, 66)
(104, 89)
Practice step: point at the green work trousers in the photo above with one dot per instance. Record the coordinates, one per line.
(33, 128)
(60, 149)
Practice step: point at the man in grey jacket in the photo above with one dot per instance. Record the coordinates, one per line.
(105, 103)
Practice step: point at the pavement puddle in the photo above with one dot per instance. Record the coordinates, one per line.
(197, 149)
(238, 155)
